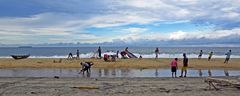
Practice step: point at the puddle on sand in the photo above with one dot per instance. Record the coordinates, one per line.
(112, 73)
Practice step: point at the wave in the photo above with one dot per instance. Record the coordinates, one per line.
(163, 55)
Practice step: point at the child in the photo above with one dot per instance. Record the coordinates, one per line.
(174, 67)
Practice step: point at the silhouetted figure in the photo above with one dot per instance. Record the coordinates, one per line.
(210, 56)
(228, 56)
(117, 53)
(185, 65)
(70, 56)
(78, 54)
(200, 54)
(157, 52)
(99, 52)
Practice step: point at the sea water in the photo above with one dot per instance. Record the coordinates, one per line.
(145, 52)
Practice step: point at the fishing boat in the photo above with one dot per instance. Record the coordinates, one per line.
(20, 56)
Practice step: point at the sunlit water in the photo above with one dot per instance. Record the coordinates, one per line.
(112, 73)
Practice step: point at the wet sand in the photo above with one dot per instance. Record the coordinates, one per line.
(120, 63)
(112, 87)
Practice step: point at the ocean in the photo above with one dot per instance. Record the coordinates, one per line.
(145, 52)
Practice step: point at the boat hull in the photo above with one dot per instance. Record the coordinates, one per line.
(20, 56)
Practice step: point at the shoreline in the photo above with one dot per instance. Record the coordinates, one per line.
(144, 63)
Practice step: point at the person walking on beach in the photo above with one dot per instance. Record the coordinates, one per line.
(228, 56)
(210, 56)
(156, 52)
(200, 54)
(77, 54)
(174, 67)
(185, 65)
(99, 52)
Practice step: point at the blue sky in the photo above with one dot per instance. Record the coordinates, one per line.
(140, 22)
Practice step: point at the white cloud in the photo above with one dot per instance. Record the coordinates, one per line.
(73, 19)
(181, 35)
(134, 30)
(177, 35)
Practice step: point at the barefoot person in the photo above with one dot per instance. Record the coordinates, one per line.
(185, 65)
(86, 66)
(174, 67)
(210, 56)
(156, 52)
(200, 54)
(228, 56)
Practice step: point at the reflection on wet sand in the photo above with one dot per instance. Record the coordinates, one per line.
(156, 73)
(209, 73)
(226, 72)
(112, 73)
(200, 72)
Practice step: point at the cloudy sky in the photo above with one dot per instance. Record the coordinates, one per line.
(152, 22)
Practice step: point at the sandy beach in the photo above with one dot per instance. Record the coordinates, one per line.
(120, 63)
(112, 87)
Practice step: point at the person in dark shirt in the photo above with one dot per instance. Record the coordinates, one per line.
(157, 52)
(200, 54)
(117, 53)
(77, 54)
(99, 52)
(185, 65)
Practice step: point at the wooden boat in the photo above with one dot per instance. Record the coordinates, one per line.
(20, 56)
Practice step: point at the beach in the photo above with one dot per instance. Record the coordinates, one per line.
(144, 63)
(112, 87)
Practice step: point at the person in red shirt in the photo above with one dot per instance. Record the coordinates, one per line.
(174, 67)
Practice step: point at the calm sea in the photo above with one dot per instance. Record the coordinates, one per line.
(146, 52)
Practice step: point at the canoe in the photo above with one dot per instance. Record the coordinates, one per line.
(20, 56)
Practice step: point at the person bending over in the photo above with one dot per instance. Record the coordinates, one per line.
(86, 66)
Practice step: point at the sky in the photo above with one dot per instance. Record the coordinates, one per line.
(116, 22)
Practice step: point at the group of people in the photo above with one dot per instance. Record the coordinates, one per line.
(228, 54)
(174, 63)
(174, 66)
(70, 55)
